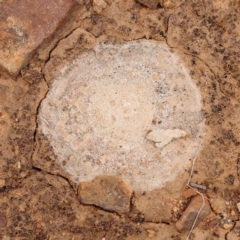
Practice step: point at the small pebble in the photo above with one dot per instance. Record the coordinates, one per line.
(236, 230)
(174, 219)
(232, 212)
(213, 222)
(38, 225)
(227, 226)
(151, 233)
(174, 209)
(3, 220)
(238, 206)
(227, 223)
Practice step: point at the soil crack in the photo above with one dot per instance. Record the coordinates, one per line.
(56, 45)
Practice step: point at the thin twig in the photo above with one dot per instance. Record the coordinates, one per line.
(194, 160)
(194, 223)
(198, 192)
(44, 120)
(188, 184)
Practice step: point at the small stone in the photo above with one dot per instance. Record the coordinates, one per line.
(227, 194)
(233, 213)
(175, 209)
(162, 137)
(187, 219)
(38, 225)
(230, 179)
(151, 233)
(3, 220)
(187, 193)
(213, 222)
(99, 5)
(226, 223)
(19, 165)
(238, 206)
(108, 192)
(149, 3)
(169, 4)
(237, 228)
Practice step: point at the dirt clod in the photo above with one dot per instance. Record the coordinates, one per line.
(151, 233)
(108, 192)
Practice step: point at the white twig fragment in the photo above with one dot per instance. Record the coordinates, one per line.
(45, 121)
(198, 192)
(194, 160)
(189, 185)
(194, 223)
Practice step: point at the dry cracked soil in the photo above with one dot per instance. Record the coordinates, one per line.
(119, 119)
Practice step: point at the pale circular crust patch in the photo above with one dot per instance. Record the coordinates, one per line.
(130, 110)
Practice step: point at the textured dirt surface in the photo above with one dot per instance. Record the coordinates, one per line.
(37, 199)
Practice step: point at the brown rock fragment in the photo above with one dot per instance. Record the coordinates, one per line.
(226, 223)
(187, 219)
(213, 223)
(23, 27)
(108, 192)
(149, 3)
(99, 5)
(38, 225)
(151, 233)
(3, 220)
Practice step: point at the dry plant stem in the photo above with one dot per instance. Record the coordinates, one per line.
(194, 160)
(198, 192)
(194, 223)
(189, 179)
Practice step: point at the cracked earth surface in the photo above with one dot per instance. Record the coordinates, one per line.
(39, 200)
